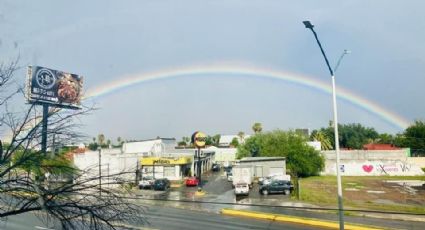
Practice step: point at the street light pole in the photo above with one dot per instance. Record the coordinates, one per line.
(100, 171)
(308, 25)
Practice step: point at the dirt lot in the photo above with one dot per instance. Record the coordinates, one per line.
(381, 193)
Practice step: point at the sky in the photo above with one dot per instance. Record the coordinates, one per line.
(111, 41)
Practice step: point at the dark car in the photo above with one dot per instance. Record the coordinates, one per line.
(215, 167)
(161, 184)
(277, 186)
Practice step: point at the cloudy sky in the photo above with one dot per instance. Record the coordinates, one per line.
(107, 41)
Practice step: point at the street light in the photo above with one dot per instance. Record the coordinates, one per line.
(308, 25)
(340, 58)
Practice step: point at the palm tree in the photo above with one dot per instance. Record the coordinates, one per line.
(241, 136)
(257, 127)
(324, 140)
(101, 139)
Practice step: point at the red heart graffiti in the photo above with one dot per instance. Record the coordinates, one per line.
(367, 168)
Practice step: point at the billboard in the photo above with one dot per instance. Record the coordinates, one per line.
(54, 87)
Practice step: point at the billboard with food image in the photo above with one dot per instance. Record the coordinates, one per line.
(58, 88)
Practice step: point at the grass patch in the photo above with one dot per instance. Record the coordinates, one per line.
(423, 169)
(322, 190)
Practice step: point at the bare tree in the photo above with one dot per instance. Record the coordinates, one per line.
(80, 202)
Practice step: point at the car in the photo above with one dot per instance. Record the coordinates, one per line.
(161, 184)
(192, 181)
(275, 176)
(241, 189)
(215, 167)
(277, 186)
(229, 176)
(146, 182)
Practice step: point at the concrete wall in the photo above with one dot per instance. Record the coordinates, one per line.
(121, 167)
(373, 168)
(419, 161)
(373, 163)
(225, 155)
(368, 154)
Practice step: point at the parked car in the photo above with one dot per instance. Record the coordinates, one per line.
(229, 176)
(146, 182)
(274, 176)
(192, 181)
(215, 167)
(241, 189)
(277, 186)
(161, 184)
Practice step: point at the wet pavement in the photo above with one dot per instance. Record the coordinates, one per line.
(217, 189)
(219, 194)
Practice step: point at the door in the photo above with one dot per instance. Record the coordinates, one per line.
(274, 187)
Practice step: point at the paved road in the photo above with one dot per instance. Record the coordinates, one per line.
(167, 218)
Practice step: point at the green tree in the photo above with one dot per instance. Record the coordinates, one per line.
(301, 159)
(351, 136)
(216, 139)
(325, 142)
(186, 140)
(414, 138)
(385, 138)
(101, 139)
(234, 142)
(257, 127)
(241, 136)
(93, 146)
(29, 176)
(209, 140)
(183, 142)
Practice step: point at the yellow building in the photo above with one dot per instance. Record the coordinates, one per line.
(172, 168)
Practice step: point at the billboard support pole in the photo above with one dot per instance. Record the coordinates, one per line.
(44, 129)
(199, 168)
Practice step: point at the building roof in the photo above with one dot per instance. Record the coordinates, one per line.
(375, 146)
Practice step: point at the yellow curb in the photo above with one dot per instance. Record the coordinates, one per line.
(175, 185)
(198, 193)
(291, 219)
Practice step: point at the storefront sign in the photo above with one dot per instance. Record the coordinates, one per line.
(199, 139)
(165, 161)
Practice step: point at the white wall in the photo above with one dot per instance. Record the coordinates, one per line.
(120, 166)
(224, 154)
(373, 168)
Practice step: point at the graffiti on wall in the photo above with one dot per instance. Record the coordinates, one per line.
(387, 168)
(375, 168)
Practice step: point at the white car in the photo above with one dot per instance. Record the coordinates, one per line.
(229, 178)
(146, 182)
(241, 189)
